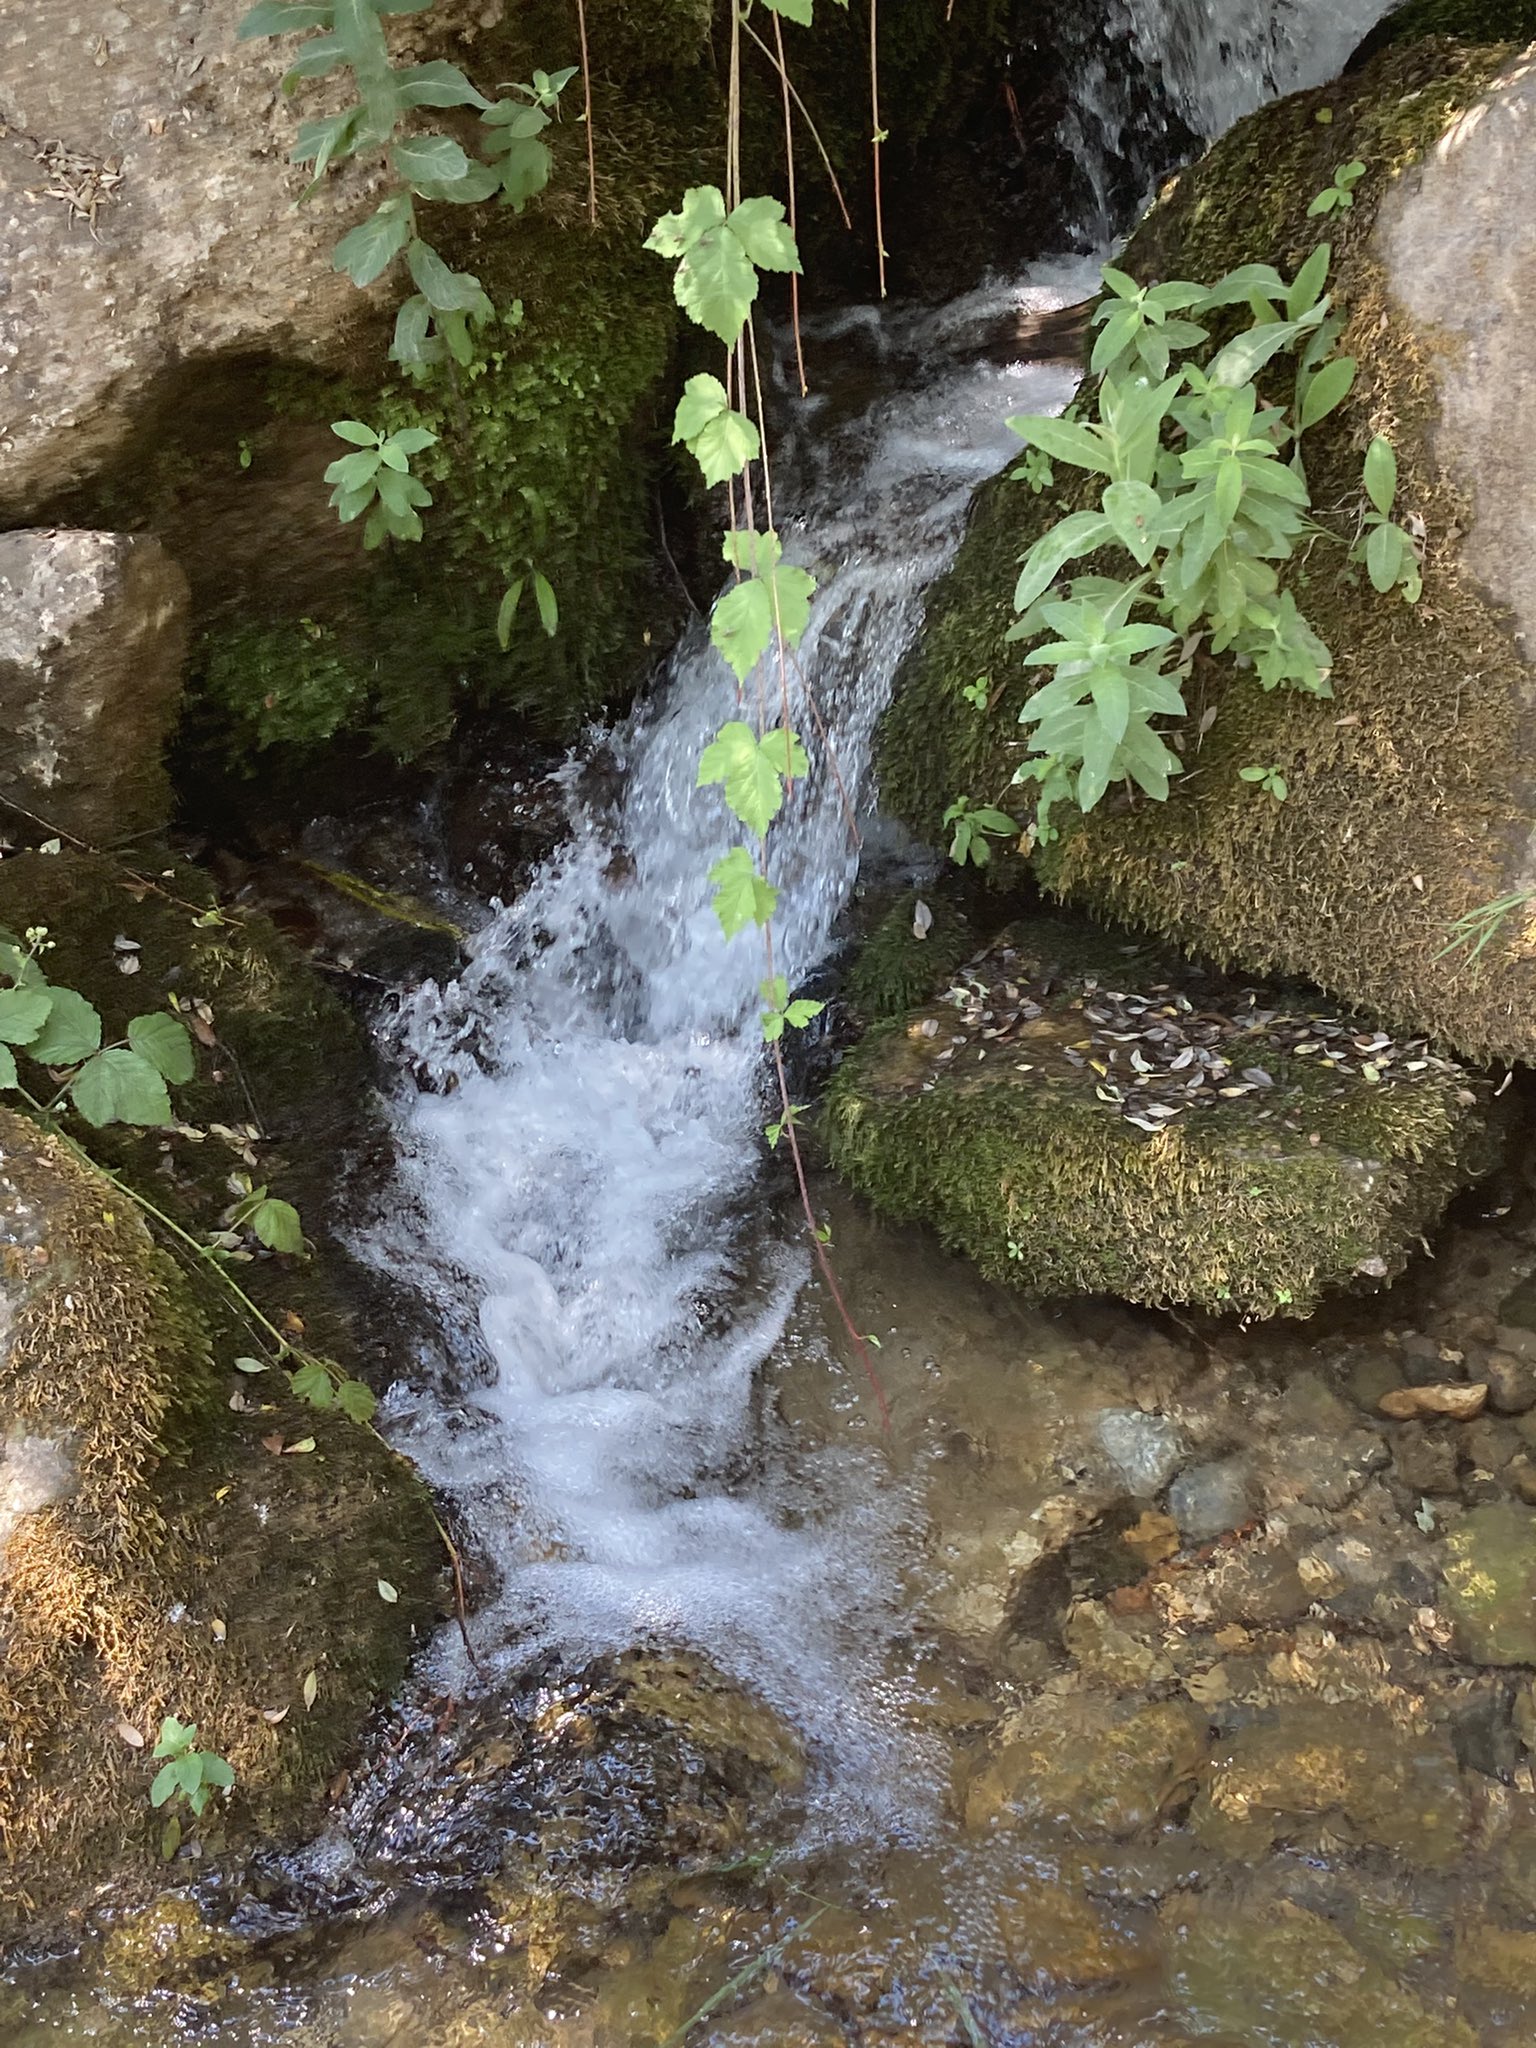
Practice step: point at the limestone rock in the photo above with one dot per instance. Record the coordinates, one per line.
(181, 244)
(1451, 1398)
(93, 632)
(1490, 1576)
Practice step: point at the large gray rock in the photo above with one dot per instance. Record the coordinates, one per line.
(148, 224)
(93, 633)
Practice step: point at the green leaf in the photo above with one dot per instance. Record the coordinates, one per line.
(511, 598)
(354, 472)
(721, 440)
(741, 626)
(1381, 474)
(322, 142)
(317, 58)
(792, 10)
(1250, 280)
(1384, 555)
(429, 156)
(277, 1225)
(742, 895)
(355, 432)
(412, 440)
(786, 753)
(119, 1086)
(281, 18)
(1310, 280)
(387, 1593)
(526, 165)
(716, 283)
(480, 181)
(800, 1012)
(1328, 390)
(544, 598)
(674, 234)
(165, 1043)
(745, 766)
(1077, 535)
(216, 1771)
(1065, 441)
(438, 84)
(165, 1785)
(1135, 512)
(356, 1400)
(368, 250)
(8, 1076)
(704, 398)
(23, 1013)
(445, 290)
(413, 325)
(763, 232)
(312, 1383)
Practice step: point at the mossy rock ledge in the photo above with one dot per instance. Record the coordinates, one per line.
(178, 1537)
(1082, 1118)
(1412, 801)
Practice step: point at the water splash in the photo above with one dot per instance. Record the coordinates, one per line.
(578, 1176)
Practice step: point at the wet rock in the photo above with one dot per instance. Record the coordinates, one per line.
(1261, 1588)
(1498, 1961)
(1522, 1477)
(1112, 1651)
(1373, 1374)
(1511, 1382)
(1145, 1450)
(1324, 1471)
(1208, 1500)
(1421, 1360)
(1348, 1771)
(711, 1712)
(1426, 1461)
(1490, 1575)
(93, 633)
(1078, 1764)
(167, 1946)
(778, 2021)
(1051, 1936)
(1290, 1979)
(1456, 1400)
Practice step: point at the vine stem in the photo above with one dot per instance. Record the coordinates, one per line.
(789, 172)
(876, 136)
(255, 1316)
(805, 115)
(586, 81)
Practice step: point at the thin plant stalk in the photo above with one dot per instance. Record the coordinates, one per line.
(586, 80)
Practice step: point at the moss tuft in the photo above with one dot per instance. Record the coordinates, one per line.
(1257, 1204)
(1474, 21)
(895, 969)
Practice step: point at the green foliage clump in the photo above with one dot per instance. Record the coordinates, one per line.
(260, 686)
(1473, 21)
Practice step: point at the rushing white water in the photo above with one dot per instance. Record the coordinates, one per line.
(577, 1196)
(1207, 62)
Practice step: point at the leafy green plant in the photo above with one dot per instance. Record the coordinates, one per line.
(119, 1082)
(186, 1772)
(376, 479)
(543, 591)
(1269, 779)
(1475, 930)
(970, 825)
(1035, 469)
(433, 323)
(779, 1011)
(1390, 557)
(978, 693)
(1340, 195)
(1206, 490)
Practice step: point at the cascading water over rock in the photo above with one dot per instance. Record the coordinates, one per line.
(579, 1176)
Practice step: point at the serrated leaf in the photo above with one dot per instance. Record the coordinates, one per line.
(801, 1011)
(368, 250)
(674, 234)
(119, 1086)
(277, 1225)
(704, 398)
(739, 761)
(741, 626)
(786, 753)
(165, 1043)
(356, 1400)
(23, 1013)
(716, 283)
(760, 227)
(72, 1032)
(312, 1383)
(725, 445)
(742, 895)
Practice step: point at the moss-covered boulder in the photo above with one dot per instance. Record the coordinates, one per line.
(176, 1536)
(1410, 800)
(1136, 1128)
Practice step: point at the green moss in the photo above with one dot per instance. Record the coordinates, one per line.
(130, 1353)
(1045, 1186)
(1396, 821)
(1474, 21)
(895, 969)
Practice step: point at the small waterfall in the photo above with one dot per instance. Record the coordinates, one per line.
(1150, 74)
(577, 1178)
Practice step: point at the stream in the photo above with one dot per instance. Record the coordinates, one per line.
(775, 1728)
